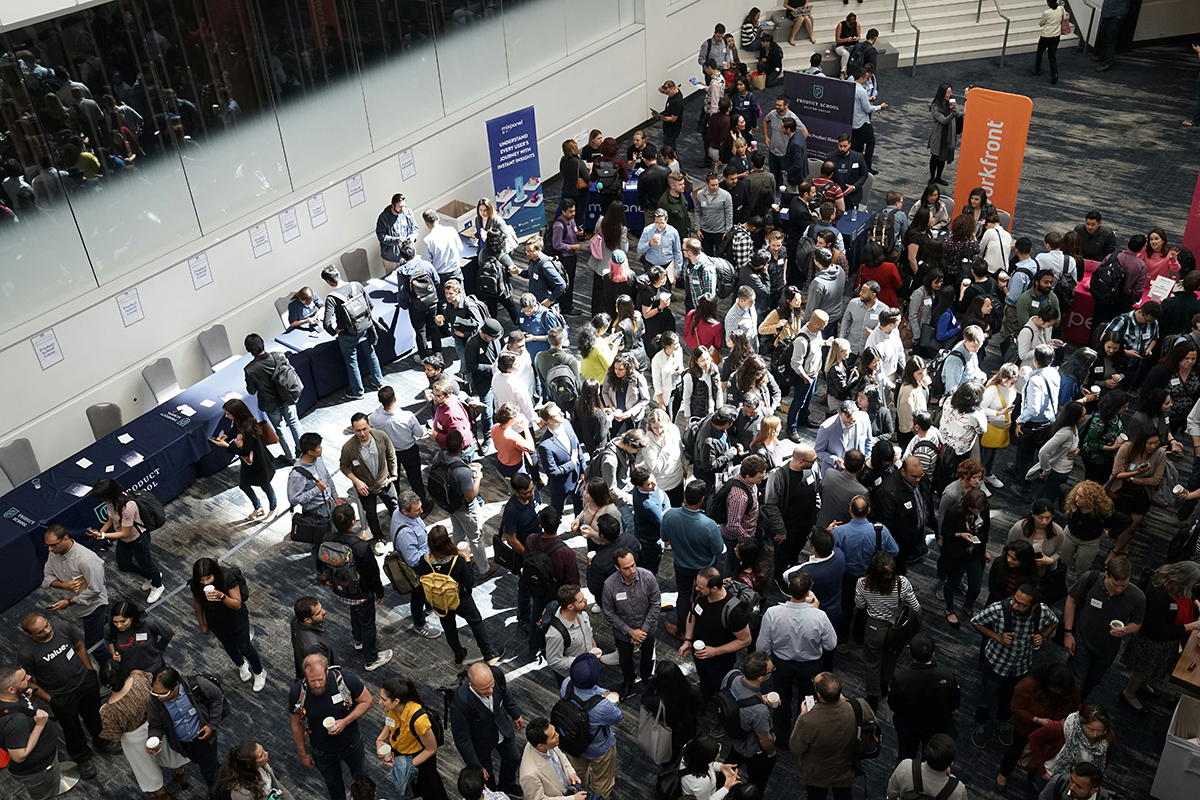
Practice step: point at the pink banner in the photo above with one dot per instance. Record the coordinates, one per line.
(1191, 233)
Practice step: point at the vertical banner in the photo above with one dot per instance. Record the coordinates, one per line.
(992, 148)
(1191, 232)
(516, 176)
(824, 105)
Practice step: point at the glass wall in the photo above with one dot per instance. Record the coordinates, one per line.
(134, 127)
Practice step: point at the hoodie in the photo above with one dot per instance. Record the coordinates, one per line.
(825, 292)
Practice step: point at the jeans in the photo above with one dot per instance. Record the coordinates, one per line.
(1052, 487)
(973, 567)
(802, 395)
(996, 689)
(136, 557)
(93, 633)
(329, 764)
(362, 628)
(1089, 665)
(470, 613)
(246, 484)
(237, 644)
(204, 753)
(428, 334)
(792, 679)
(404, 774)
(370, 506)
(42, 785)
(1112, 31)
(775, 165)
(862, 139)
(277, 418)
(1048, 45)
(82, 704)
(625, 652)
(356, 346)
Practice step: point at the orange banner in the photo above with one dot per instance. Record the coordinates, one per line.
(992, 149)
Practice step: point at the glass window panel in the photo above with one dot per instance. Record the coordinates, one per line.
(470, 49)
(535, 35)
(594, 19)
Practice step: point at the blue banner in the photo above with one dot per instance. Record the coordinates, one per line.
(516, 175)
(824, 105)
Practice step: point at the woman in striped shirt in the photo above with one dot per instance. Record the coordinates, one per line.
(881, 592)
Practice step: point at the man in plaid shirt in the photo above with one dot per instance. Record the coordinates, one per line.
(1012, 629)
(1139, 333)
(698, 271)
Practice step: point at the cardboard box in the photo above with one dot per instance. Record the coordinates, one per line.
(457, 213)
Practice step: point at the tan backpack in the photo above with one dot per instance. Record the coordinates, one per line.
(441, 591)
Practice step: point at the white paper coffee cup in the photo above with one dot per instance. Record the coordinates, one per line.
(1095, 390)
(1116, 624)
(328, 722)
(772, 699)
(210, 589)
(153, 743)
(698, 645)
(385, 750)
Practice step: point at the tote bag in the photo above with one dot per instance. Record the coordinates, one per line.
(654, 737)
(995, 438)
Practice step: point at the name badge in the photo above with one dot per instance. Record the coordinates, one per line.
(141, 637)
(356, 463)
(335, 699)
(622, 596)
(698, 610)
(70, 653)
(1098, 370)
(928, 301)
(878, 481)
(1035, 303)
(666, 250)
(809, 479)
(390, 722)
(1176, 382)
(1097, 603)
(191, 712)
(908, 505)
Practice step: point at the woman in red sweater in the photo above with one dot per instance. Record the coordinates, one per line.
(885, 273)
(1047, 695)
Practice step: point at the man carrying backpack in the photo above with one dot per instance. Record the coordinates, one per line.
(718, 626)
(548, 563)
(329, 693)
(410, 539)
(454, 485)
(348, 316)
(596, 763)
(569, 632)
(929, 779)
(353, 575)
(271, 378)
(419, 285)
(826, 739)
(746, 717)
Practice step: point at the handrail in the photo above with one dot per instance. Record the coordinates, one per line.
(1007, 25)
(917, 41)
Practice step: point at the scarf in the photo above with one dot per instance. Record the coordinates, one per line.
(1185, 610)
(1077, 747)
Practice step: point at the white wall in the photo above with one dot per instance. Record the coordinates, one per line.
(608, 86)
(1161, 19)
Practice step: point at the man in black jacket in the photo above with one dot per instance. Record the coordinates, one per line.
(923, 699)
(361, 599)
(260, 381)
(482, 352)
(308, 633)
(652, 183)
(715, 452)
(795, 160)
(793, 497)
(849, 170)
(201, 706)
(484, 717)
(904, 504)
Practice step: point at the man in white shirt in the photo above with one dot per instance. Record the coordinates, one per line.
(402, 428)
(861, 318)
(514, 342)
(569, 633)
(996, 244)
(885, 340)
(742, 316)
(443, 248)
(1054, 258)
(509, 387)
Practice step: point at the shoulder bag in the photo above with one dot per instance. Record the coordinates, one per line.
(993, 437)
(654, 737)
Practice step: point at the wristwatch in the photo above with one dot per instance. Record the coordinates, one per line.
(1068, 630)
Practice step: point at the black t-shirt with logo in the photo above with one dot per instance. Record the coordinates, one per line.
(16, 726)
(54, 665)
(708, 627)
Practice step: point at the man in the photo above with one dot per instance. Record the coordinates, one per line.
(557, 354)
(611, 538)
(613, 464)
(360, 596)
(753, 744)
(721, 623)
(1019, 282)
(776, 257)
(858, 539)
(699, 274)
(774, 137)
(743, 316)
(185, 714)
(924, 700)
(509, 387)
(655, 303)
(569, 634)
(962, 365)
(885, 340)
(796, 635)
(1035, 334)
(596, 766)
(449, 414)
(631, 601)
(463, 487)
(794, 168)
(545, 281)
(805, 363)
(749, 419)
(303, 309)
(482, 352)
(61, 674)
(1012, 629)
(931, 776)
(410, 539)
(861, 319)
(674, 203)
(419, 296)
(741, 506)
(1139, 333)
(714, 214)
(714, 451)
(814, 66)
(1135, 281)
(321, 694)
(731, 182)
(924, 431)
(1180, 309)
(402, 428)
(651, 183)
(671, 115)
(79, 573)
(827, 287)
(649, 505)
(368, 459)
(546, 771)
(535, 593)
(829, 191)
(760, 187)
(826, 567)
(870, 55)
(349, 318)
(847, 430)
(695, 542)
(714, 77)
(310, 484)
(825, 737)
(565, 246)
(1096, 241)
(1053, 259)
(905, 506)
(30, 738)
(1095, 604)
(660, 245)
(395, 228)
(1081, 783)
(308, 633)
(850, 168)
(1039, 408)
(268, 377)
(442, 248)
(1112, 17)
(485, 719)
(715, 49)
(465, 314)
(826, 213)
(1037, 298)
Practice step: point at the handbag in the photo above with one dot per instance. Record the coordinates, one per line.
(903, 625)
(654, 737)
(596, 246)
(309, 528)
(1053, 584)
(266, 432)
(995, 438)
(758, 80)
(1066, 24)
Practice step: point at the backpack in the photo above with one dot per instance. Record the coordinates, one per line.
(441, 591)
(569, 716)
(689, 440)
(435, 724)
(150, 509)
(562, 385)
(867, 740)
(354, 311)
(1064, 284)
(883, 230)
(781, 363)
(918, 791)
(937, 386)
(422, 291)
(542, 625)
(339, 568)
(440, 489)
(857, 59)
(403, 577)
(726, 277)
(538, 571)
(1108, 281)
(606, 176)
(1007, 612)
(718, 509)
(556, 265)
(1183, 543)
(338, 682)
(490, 280)
(285, 381)
(729, 707)
(929, 460)
(741, 594)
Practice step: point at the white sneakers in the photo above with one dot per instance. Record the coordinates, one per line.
(244, 671)
(260, 680)
(384, 657)
(611, 658)
(992, 480)
(155, 593)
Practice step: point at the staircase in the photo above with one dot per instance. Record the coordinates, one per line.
(949, 31)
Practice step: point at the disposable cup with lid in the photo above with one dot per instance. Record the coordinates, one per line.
(698, 645)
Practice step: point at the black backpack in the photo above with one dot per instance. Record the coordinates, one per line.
(781, 363)
(569, 716)
(857, 59)
(867, 740)
(440, 489)
(541, 626)
(740, 594)
(490, 280)
(285, 381)
(718, 507)
(689, 439)
(150, 509)
(1108, 281)
(562, 385)
(606, 176)
(1065, 283)
(726, 277)
(1183, 544)
(435, 724)
(937, 386)
(354, 309)
(422, 291)
(883, 230)
(538, 571)
(729, 707)
(918, 791)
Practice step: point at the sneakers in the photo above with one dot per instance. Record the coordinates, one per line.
(260, 680)
(383, 657)
(1004, 732)
(611, 659)
(979, 736)
(986, 490)
(424, 630)
(993, 481)
(244, 672)
(155, 593)
(147, 585)
(495, 657)
(358, 645)
(87, 769)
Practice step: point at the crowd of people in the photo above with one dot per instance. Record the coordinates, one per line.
(791, 444)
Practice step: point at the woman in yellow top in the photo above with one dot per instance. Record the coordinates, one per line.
(596, 350)
(407, 744)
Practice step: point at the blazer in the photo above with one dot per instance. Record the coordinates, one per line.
(895, 507)
(556, 460)
(477, 730)
(537, 776)
(208, 700)
(352, 452)
(924, 699)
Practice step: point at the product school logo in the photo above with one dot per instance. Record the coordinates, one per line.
(818, 91)
(101, 512)
(20, 518)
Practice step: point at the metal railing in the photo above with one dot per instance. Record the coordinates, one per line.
(1007, 25)
(917, 41)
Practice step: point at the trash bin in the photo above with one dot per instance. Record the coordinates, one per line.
(1178, 772)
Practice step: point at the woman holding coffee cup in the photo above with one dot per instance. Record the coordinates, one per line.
(220, 606)
(406, 744)
(123, 719)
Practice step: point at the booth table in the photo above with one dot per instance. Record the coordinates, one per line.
(854, 227)
(1189, 679)
(1077, 327)
(635, 219)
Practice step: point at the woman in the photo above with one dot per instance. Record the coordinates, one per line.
(625, 392)
(943, 139)
(597, 348)
(867, 366)
(1046, 695)
(487, 221)
(257, 466)
(920, 307)
(597, 502)
(998, 396)
(875, 267)
(1172, 613)
(740, 349)
(746, 104)
(750, 31)
(609, 173)
(879, 466)
(1085, 735)
(665, 370)
(1110, 369)
(671, 690)
(753, 376)
(408, 734)
(702, 392)
(220, 606)
(497, 292)
(618, 281)
(591, 422)
(939, 210)
(964, 536)
(870, 399)
(881, 592)
(574, 174)
(1090, 515)
(559, 457)
(536, 321)
(846, 36)
(977, 208)
(917, 240)
(963, 423)
(786, 321)
(838, 378)
(700, 774)
(1177, 374)
(978, 313)
(513, 439)
(946, 328)
(702, 325)
(801, 12)
(1161, 259)
(1137, 472)
(1044, 535)
(663, 455)
(1056, 458)
(754, 565)
(123, 719)
(611, 234)
(248, 775)
(767, 444)
(1074, 376)
(631, 331)
(591, 150)
(959, 250)
(444, 558)
(1153, 415)
(1100, 436)
(913, 397)
(1051, 23)
(1016, 566)
(124, 519)
(136, 641)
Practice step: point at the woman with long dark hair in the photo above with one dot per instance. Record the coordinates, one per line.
(1043, 534)
(1111, 367)
(754, 376)
(1056, 458)
(977, 208)
(947, 328)
(134, 639)
(123, 719)
(597, 347)
(1014, 567)
(631, 329)
(920, 306)
(876, 267)
(1046, 695)
(963, 423)
(445, 559)
(740, 348)
(680, 702)
(1137, 471)
(1075, 376)
(702, 391)
(870, 399)
(248, 775)
(754, 565)
(1177, 374)
(1161, 259)
(913, 397)
(408, 736)
(1152, 415)
(625, 393)
(785, 321)
(943, 139)
(917, 239)
(964, 534)
(699, 771)
(612, 235)
(1099, 438)
(702, 326)
(880, 592)
(220, 606)
(257, 467)
(576, 179)
(1085, 735)
(592, 425)
(997, 405)
(959, 250)
(124, 519)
